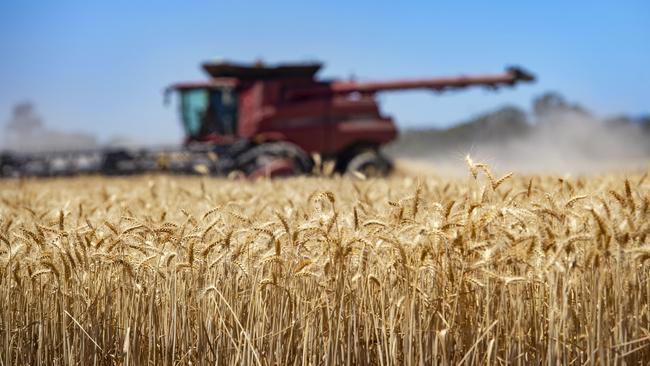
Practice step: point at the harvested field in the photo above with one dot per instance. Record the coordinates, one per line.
(482, 269)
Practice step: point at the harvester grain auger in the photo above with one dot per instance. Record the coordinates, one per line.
(263, 120)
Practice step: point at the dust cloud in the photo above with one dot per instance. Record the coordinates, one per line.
(26, 132)
(556, 137)
(570, 142)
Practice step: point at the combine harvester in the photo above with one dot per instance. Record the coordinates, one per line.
(261, 120)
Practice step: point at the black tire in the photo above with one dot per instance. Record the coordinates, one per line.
(114, 161)
(256, 157)
(5, 164)
(370, 164)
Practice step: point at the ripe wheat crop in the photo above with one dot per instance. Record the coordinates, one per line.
(483, 269)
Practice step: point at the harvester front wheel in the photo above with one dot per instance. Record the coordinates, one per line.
(370, 164)
(275, 159)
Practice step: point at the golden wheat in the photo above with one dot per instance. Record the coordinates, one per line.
(326, 270)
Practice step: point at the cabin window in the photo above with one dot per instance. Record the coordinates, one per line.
(194, 104)
(205, 112)
(222, 113)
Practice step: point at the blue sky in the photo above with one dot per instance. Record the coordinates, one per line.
(101, 66)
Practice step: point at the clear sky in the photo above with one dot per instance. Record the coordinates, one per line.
(101, 66)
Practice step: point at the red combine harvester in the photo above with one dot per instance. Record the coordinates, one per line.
(265, 120)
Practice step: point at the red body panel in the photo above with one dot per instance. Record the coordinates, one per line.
(325, 125)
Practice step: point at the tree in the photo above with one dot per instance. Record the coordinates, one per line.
(552, 102)
(24, 120)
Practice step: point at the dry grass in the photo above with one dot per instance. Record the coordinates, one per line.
(487, 269)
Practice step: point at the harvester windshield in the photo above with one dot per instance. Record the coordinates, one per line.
(208, 111)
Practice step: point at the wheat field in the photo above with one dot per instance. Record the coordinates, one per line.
(482, 269)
